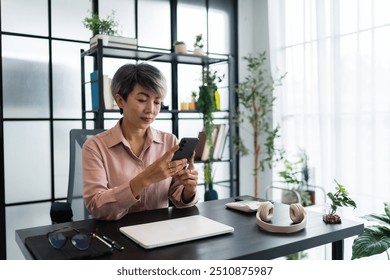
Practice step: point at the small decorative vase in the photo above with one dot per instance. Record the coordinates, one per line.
(210, 193)
(198, 51)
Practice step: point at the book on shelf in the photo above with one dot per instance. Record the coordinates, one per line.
(109, 102)
(118, 45)
(203, 149)
(199, 148)
(95, 90)
(220, 140)
(117, 41)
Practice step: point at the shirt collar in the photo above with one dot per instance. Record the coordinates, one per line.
(117, 137)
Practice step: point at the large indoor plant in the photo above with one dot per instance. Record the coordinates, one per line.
(206, 105)
(375, 239)
(255, 97)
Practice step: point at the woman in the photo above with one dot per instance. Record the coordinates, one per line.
(128, 168)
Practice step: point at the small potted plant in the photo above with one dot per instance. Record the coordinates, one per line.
(193, 103)
(339, 198)
(101, 28)
(180, 47)
(198, 45)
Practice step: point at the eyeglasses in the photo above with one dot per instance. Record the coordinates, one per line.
(57, 238)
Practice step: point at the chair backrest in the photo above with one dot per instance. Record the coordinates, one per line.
(75, 183)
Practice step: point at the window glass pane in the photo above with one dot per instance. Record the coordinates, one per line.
(348, 16)
(27, 161)
(27, 17)
(19, 217)
(381, 11)
(190, 128)
(66, 79)
(166, 69)
(220, 29)
(163, 125)
(67, 20)
(61, 156)
(154, 28)
(191, 21)
(25, 77)
(124, 13)
(189, 80)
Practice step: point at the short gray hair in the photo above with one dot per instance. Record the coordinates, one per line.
(146, 75)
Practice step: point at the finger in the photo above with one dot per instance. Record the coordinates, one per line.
(191, 164)
(168, 155)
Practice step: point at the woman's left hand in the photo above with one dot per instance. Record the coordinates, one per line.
(189, 179)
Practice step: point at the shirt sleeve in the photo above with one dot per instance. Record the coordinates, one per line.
(175, 195)
(103, 202)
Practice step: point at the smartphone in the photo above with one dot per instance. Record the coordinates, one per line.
(187, 147)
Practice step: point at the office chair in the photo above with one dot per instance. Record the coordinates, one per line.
(293, 195)
(74, 208)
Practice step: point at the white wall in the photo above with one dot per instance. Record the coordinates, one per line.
(252, 38)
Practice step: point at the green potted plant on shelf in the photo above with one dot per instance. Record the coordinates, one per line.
(198, 45)
(375, 239)
(206, 106)
(101, 28)
(339, 198)
(255, 96)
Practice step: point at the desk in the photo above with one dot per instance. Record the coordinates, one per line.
(247, 242)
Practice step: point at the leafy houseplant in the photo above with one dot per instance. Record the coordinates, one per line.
(198, 45)
(107, 26)
(339, 198)
(206, 105)
(255, 95)
(375, 239)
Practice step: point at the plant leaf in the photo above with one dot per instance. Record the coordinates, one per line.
(380, 218)
(387, 209)
(374, 240)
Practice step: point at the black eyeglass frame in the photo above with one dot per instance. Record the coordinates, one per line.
(70, 229)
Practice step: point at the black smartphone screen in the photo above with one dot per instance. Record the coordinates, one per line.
(187, 147)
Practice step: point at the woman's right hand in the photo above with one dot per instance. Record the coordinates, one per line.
(164, 167)
(157, 171)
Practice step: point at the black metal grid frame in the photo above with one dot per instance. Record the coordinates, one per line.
(234, 78)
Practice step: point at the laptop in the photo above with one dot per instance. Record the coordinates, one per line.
(167, 232)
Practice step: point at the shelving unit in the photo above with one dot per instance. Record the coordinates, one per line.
(174, 114)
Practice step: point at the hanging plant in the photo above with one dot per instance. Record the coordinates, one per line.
(206, 105)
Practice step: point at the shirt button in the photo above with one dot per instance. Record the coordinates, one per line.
(140, 163)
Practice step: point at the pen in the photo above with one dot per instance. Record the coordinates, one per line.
(102, 240)
(113, 243)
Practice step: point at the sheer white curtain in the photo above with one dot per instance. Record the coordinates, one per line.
(335, 100)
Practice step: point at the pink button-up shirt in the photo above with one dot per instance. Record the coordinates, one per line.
(109, 165)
